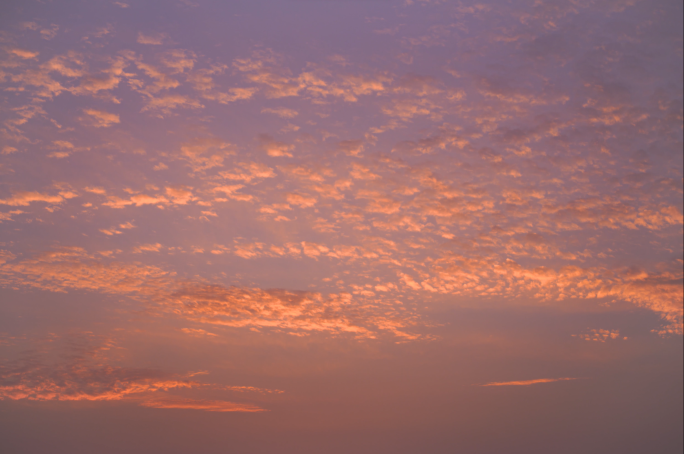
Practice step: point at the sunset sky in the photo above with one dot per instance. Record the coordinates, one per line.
(307, 226)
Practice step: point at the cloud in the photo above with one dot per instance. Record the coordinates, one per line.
(165, 104)
(230, 191)
(234, 94)
(499, 182)
(281, 112)
(262, 69)
(197, 332)
(322, 82)
(202, 80)
(418, 85)
(407, 109)
(196, 404)
(661, 291)
(528, 382)
(72, 64)
(248, 171)
(28, 26)
(25, 198)
(76, 368)
(308, 173)
(102, 119)
(64, 149)
(351, 147)
(248, 251)
(599, 335)
(73, 268)
(136, 200)
(293, 311)
(436, 35)
(179, 60)
(289, 311)
(447, 137)
(78, 371)
(75, 383)
(147, 248)
(107, 79)
(7, 216)
(274, 147)
(22, 53)
(204, 153)
(301, 200)
(600, 212)
(40, 78)
(364, 84)
(362, 172)
(314, 250)
(110, 232)
(155, 39)
(160, 80)
(49, 33)
(180, 195)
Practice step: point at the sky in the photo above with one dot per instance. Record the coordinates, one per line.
(306, 226)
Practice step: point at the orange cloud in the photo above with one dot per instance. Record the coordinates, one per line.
(197, 404)
(79, 373)
(102, 119)
(301, 200)
(274, 147)
(528, 382)
(296, 312)
(147, 248)
(231, 192)
(204, 153)
(248, 171)
(136, 200)
(74, 268)
(180, 195)
(22, 53)
(197, 332)
(281, 112)
(28, 197)
(75, 368)
(290, 311)
(179, 60)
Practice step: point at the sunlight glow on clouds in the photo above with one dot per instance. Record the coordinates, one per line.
(296, 192)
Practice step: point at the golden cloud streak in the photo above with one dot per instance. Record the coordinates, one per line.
(528, 382)
(206, 405)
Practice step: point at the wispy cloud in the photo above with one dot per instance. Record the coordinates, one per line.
(281, 112)
(528, 382)
(155, 39)
(200, 404)
(102, 119)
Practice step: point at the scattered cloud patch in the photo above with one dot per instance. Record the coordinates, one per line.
(155, 39)
(102, 119)
(282, 112)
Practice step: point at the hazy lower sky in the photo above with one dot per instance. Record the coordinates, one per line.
(397, 227)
